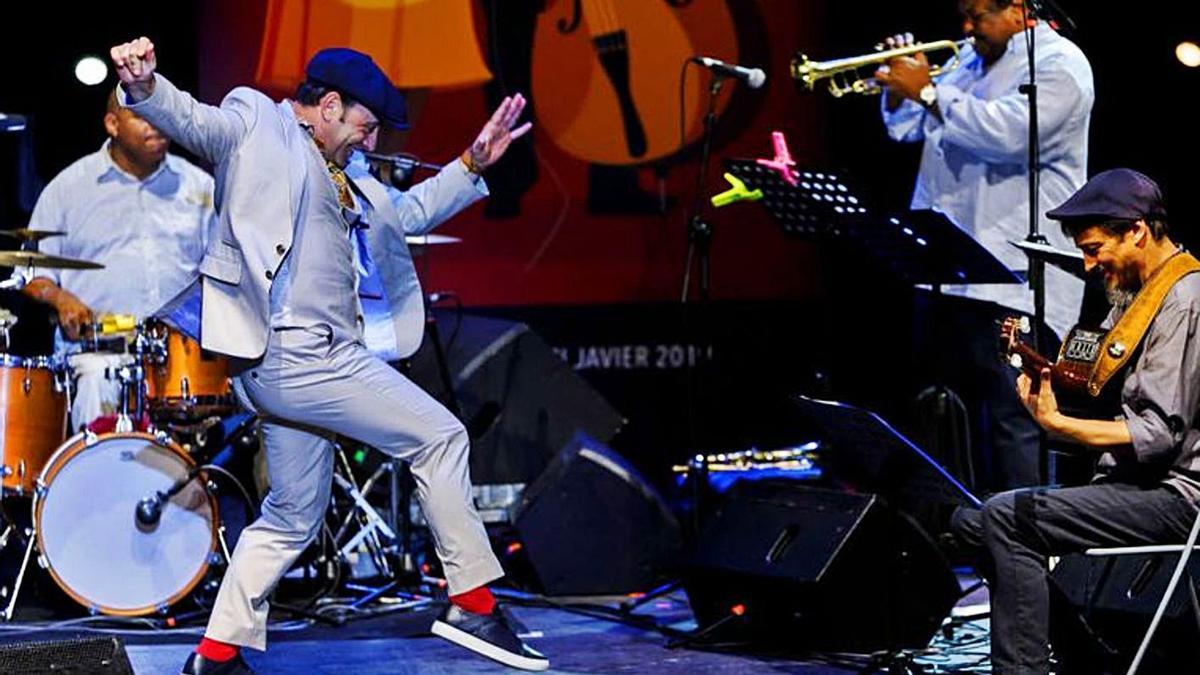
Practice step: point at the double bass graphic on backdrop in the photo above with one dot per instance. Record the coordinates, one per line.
(606, 77)
(607, 74)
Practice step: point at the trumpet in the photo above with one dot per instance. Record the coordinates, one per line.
(838, 70)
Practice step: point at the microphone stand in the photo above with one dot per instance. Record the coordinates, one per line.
(1037, 268)
(699, 230)
(699, 233)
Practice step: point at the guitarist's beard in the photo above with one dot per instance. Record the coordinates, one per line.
(1126, 288)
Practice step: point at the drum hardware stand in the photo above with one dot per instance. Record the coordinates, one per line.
(132, 377)
(396, 528)
(7, 614)
(371, 525)
(7, 321)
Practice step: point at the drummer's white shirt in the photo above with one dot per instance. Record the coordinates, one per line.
(149, 234)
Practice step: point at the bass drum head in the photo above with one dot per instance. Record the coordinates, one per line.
(90, 540)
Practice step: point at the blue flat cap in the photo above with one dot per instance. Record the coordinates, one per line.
(1116, 194)
(354, 73)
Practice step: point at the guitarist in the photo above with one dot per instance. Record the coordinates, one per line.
(1148, 484)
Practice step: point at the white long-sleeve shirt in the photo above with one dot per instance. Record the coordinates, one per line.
(974, 160)
(149, 234)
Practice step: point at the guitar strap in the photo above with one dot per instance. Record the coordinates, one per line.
(1123, 339)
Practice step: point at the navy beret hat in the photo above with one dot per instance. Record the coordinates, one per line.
(355, 74)
(1117, 194)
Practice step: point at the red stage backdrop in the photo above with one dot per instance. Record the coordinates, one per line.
(592, 209)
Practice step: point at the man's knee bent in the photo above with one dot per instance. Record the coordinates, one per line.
(298, 521)
(997, 515)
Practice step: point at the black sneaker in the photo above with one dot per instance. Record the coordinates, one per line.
(489, 635)
(198, 665)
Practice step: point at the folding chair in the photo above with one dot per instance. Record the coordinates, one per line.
(1185, 551)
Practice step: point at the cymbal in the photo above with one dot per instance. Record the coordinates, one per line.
(25, 234)
(431, 239)
(35, 259)
(1068, 261)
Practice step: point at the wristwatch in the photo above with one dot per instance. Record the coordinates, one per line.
(928, 95)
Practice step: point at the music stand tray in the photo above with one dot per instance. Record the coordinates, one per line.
(873, 456)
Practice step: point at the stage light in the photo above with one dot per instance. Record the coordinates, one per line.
(90, 70)
(1188, 54)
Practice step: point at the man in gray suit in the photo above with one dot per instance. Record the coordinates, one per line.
(279, 296)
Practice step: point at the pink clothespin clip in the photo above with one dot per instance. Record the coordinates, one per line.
(782, 162)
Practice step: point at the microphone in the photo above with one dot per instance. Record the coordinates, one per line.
(148, 511)
(1052, 12)
(753, 77)
(402, 162)
(396, 170)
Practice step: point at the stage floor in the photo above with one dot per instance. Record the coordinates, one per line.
(576, 643)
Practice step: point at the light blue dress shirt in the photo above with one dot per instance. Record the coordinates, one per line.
(974, 159)
(149, 234)
(416, 218)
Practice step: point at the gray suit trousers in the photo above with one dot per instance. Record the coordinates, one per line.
(307, 388)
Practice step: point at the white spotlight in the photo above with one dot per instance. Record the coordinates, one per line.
(1188, 54)
(90, 70)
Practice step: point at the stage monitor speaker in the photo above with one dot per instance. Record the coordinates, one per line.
(519, 400)
(809, 569)
(1104, 605)
(591, 525)
(93, 656)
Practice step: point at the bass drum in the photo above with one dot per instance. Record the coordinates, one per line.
(90, 540)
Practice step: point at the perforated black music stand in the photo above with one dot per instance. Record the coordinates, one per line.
(820, 204)
(922, 247)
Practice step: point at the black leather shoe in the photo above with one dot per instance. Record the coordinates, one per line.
(489, 635)
(198, 665)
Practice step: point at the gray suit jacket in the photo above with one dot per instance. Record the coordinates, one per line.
(262, 159)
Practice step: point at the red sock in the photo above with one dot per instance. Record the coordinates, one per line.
(477, 601)
(217, 651)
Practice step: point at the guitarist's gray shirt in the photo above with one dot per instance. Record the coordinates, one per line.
(1160, 397)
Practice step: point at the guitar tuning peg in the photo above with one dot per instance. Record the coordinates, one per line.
(1024, 326)
(1015, 361)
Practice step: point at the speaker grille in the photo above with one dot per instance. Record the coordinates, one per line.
(90, 655)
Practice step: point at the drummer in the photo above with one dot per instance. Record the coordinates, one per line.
(145, 215)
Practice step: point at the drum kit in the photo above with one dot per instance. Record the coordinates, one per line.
(124, 516)
(117, 518)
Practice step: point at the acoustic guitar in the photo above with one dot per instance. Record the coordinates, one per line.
(1069, 375)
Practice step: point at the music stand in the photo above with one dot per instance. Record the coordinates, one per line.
(875, 457)
(922, 247)
(820, 204)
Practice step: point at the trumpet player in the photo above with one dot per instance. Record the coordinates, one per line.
(973, 121)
